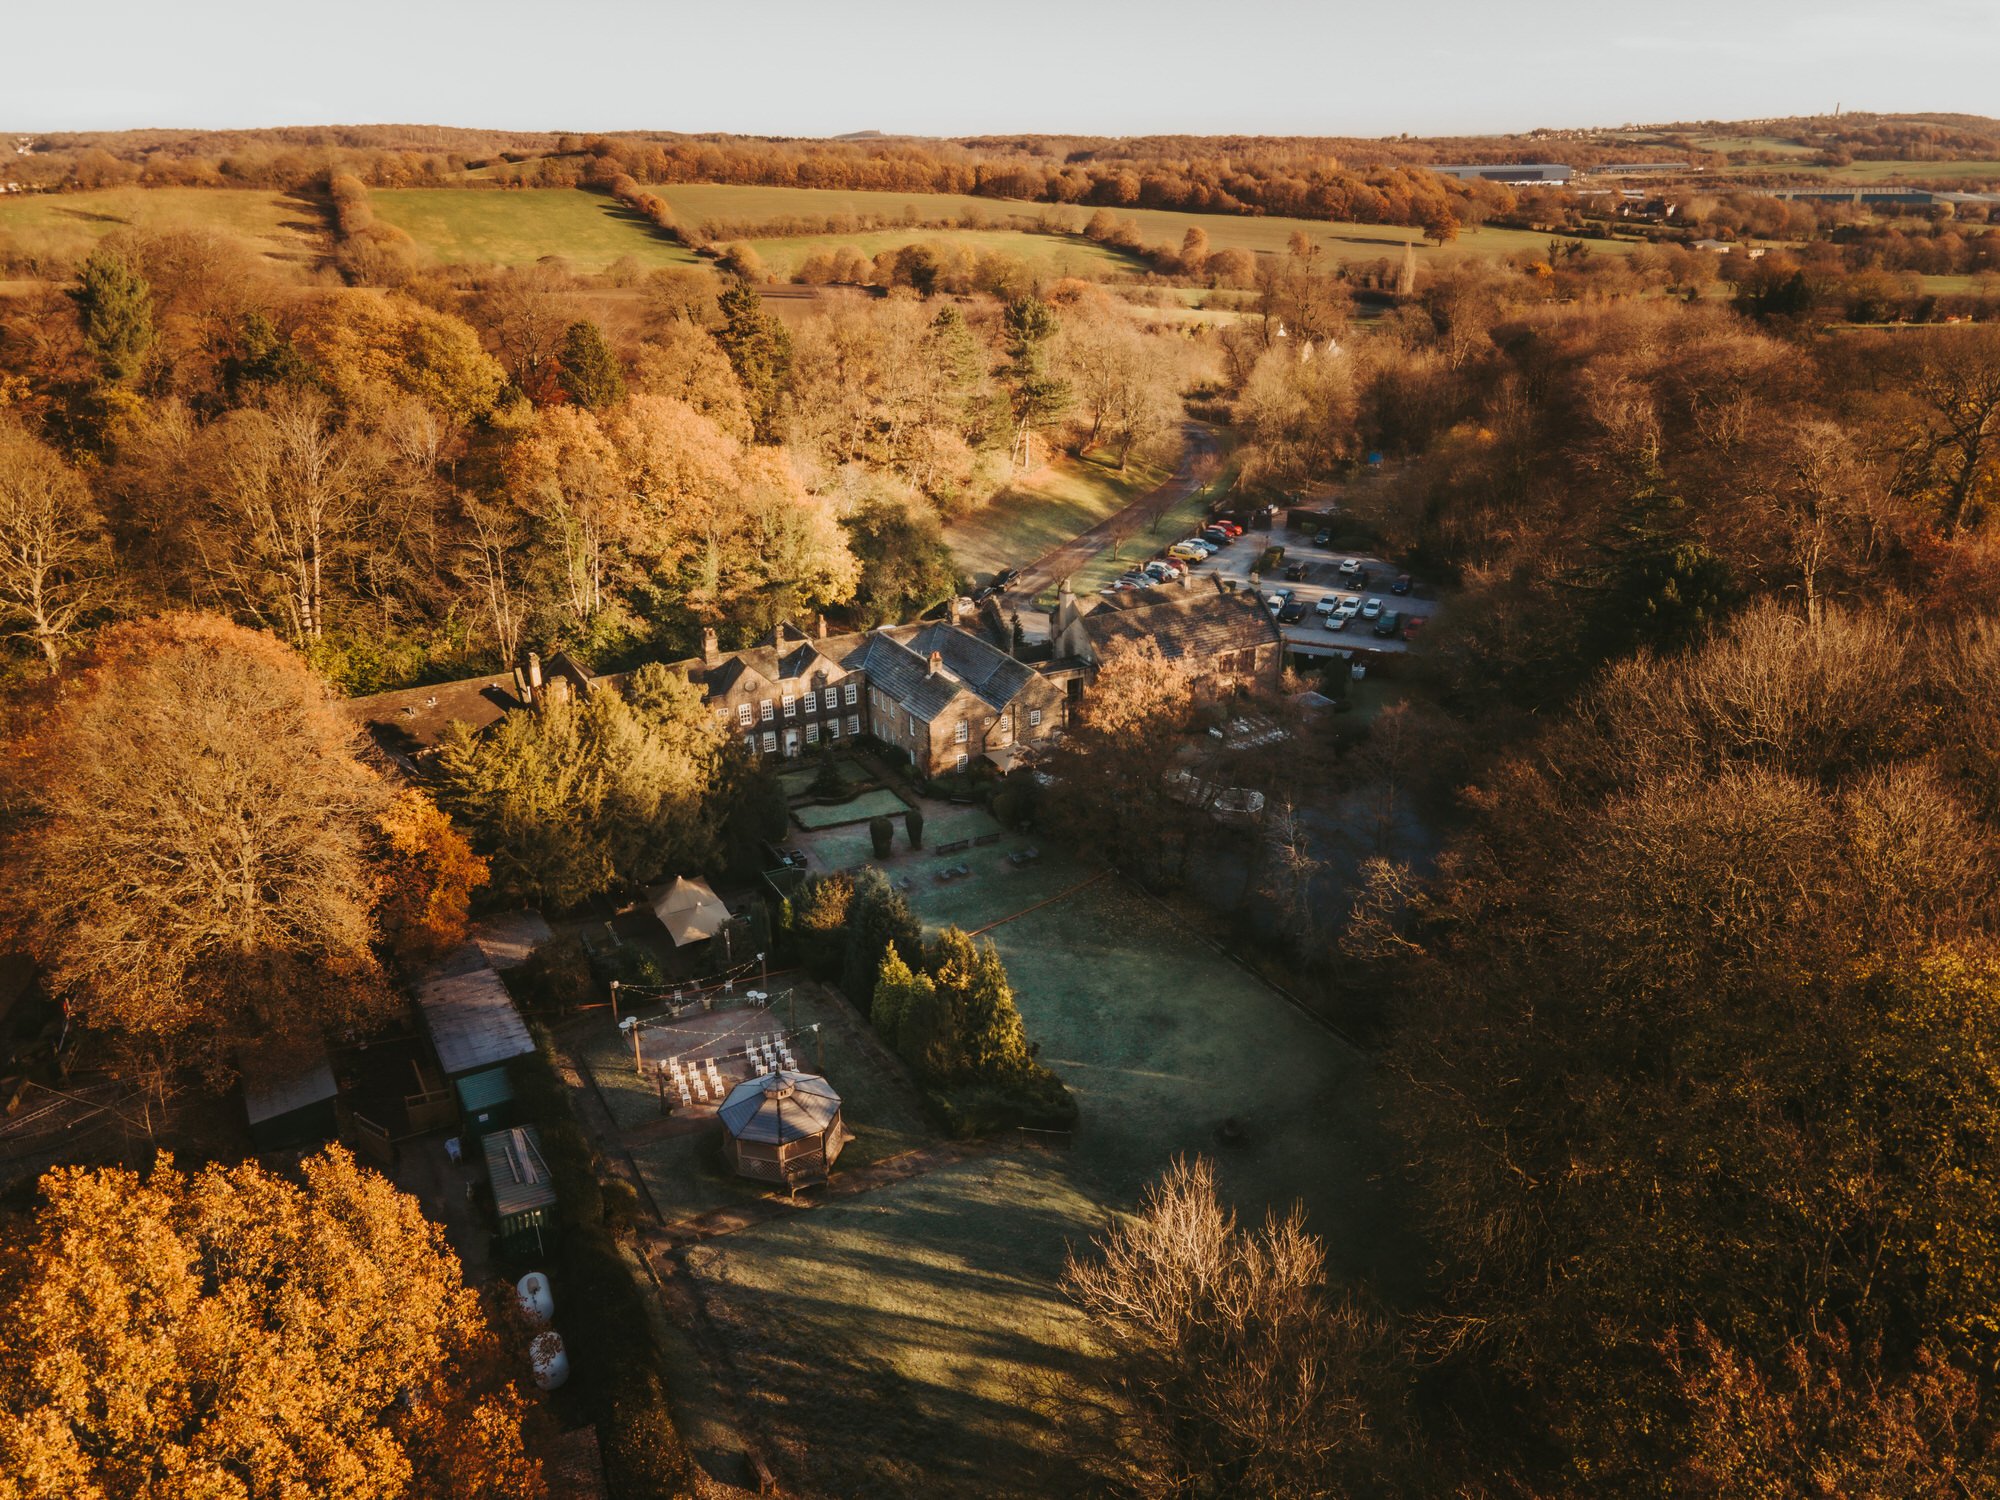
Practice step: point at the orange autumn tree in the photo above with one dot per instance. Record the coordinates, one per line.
(193, 841)
(427, 875)
(236, 1335)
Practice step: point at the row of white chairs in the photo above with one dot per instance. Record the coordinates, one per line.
(697, 1081)
(771, 1053)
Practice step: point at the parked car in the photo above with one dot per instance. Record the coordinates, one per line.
(1296, 572)
(1337, 621)
(1203, 542)
(1187, 552)
(1389, 624)
(1005, 576)
(1326, 604)
(1349, 606)
(1293, 612)
(1229, 526)
(1401, 585)
(1411, 626)
(1350, 567)
(1322, 537)
(1215, 536)
(1277, 601)
(1371, 610)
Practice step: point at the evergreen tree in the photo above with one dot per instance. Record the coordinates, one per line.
(1039, 396)
(1658, 589)
(589, 374)
(114, 305)
(878, 919)
(760, 351)
(905, 1000)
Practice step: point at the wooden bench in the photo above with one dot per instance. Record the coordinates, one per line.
(984, 839)
(953, 847)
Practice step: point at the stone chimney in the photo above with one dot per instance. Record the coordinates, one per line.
(819, 627)
(711, 652)
(937, 663)
(535, 674)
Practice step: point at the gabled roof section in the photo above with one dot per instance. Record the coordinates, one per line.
(1195, 626)
(898, 660)
(415, 718)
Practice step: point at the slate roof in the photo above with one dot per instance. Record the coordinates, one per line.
(268, 1095)
(779, 1108)
(898, 661)
(1195, 626)
(786, 655)
(414, 718)
(470, 1015)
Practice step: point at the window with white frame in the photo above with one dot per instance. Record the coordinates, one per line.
(745, 715)
(812, 700)
(962, 733)
(812, 734)
(791, 706)
(768, 715)
(851, 694)
(913, 725)
(833, 729)
(963, 761)
(770, 743)
(1034, 718)
(854, 723)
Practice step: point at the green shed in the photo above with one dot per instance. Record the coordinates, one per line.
(524, 1194)
(486, 1101)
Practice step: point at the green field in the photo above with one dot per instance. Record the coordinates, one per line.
(62, 227)
(899, 1342)
(512, 228)
(1730, 144)
(1027, 520)
(698, 203)
(1049, 254)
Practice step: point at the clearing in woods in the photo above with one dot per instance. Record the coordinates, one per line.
(1042, 511)
(473, 226)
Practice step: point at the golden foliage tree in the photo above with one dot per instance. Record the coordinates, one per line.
(191, 855)
(428, 873)
(235, 1335)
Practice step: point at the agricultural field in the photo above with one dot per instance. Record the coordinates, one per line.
(1035, 516)
(59, 228)
(1051, 255)
(910, 1340)
(475, 227)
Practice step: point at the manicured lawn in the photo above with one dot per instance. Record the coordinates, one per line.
(1032, 518)
(517, 227)
(849, 847)
(64, 226)
(879, 803)
(896, 1343)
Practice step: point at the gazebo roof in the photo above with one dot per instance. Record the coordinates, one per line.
(689, 910)
(780, 1107)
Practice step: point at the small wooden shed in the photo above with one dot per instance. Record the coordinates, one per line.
(524, 1192)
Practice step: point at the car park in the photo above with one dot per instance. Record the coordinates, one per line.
(1371, 610)
(1293, 612)
(1401, 585)
(1389, 624)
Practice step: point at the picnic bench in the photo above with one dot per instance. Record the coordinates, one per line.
(987, 838)
(1025, 856)
(954, 872)
(954, 846)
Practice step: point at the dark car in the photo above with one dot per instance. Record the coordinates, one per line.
(1322, 537)
(1218, 536)
(1293, 612)
(1296, 571)
(1004, 577)
(1401, 585)
(1389, 624)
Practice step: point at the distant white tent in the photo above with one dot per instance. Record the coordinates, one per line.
(689, 910)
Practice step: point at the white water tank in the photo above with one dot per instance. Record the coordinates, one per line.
(549, 1359)
(540, 1307)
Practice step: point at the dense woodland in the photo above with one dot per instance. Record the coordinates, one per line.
(1687, 1031)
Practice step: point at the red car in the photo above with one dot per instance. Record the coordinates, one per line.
(1229, 526)
(1411, 626)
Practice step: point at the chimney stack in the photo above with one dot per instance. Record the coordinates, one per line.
(820, 628)
(711, 652)
(535, 673)
(937, 662)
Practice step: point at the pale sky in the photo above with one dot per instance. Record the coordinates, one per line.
(942, 67)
